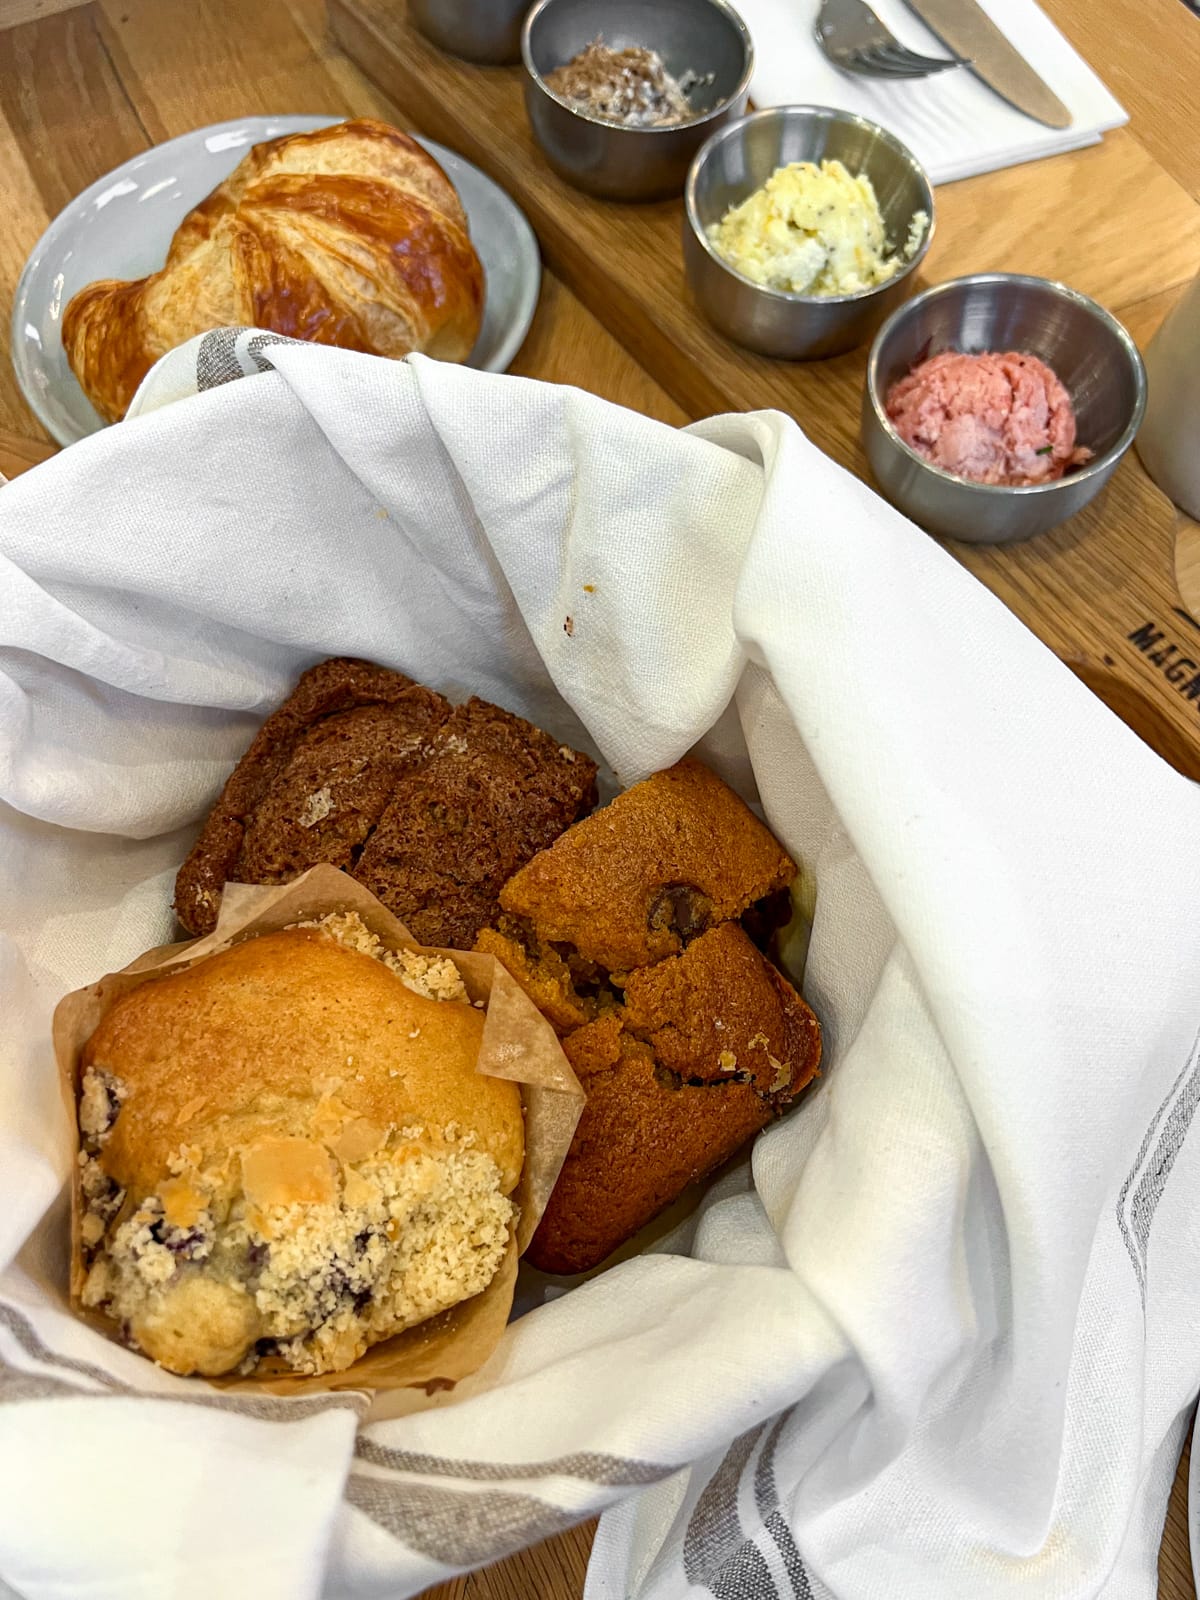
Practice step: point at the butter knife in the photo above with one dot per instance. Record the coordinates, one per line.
(966, 28)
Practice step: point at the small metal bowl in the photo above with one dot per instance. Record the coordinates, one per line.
(1085, 345)
(605, 158)
(486, 31)
(737, 161)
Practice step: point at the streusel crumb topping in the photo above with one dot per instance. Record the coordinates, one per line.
(434, 977)
(409, 1232)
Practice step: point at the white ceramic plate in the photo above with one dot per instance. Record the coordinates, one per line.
(121, 228)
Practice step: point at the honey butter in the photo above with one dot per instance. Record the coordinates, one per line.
(813, 230)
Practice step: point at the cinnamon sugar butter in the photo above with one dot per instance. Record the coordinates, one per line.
(631, 87)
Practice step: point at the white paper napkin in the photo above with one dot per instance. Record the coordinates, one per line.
(937, 1341)
(953, 124)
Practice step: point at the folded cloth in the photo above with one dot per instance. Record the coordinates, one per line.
(936, 1339)
(953, 123)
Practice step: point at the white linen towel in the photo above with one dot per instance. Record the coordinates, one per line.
(952, 123)
(937, 1339)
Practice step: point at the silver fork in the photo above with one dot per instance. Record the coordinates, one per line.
(853, 38)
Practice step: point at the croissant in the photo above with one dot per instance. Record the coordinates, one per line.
(351, 235)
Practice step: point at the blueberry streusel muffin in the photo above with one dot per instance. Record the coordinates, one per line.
(287, 1152)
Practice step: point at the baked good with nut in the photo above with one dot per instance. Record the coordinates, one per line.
(287, 1153)
(433, 806)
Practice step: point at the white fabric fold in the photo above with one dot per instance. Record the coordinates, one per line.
(934, 1337)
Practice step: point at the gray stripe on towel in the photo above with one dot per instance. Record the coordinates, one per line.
(1143, 1187)
(766, 1498)
(457, 1528)
(216, 358)
(610, 1471)
(16, 1384)
(714, 1535)
(219, 361)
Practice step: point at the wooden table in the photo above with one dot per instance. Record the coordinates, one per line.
(86, 88)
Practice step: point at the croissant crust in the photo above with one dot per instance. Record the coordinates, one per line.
(350, 235)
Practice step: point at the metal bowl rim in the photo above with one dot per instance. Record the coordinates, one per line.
(821, 114)
(742, 88)
(1094, 468)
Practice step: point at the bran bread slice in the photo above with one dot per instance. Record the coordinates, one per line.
(432, 807)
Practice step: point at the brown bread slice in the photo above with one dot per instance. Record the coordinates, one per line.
(432, 807)
(325, 803)
(494, 792)
(327, 708)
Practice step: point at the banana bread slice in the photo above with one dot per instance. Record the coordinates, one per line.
(565, 988)
(431, 806)
(674, 855)
(708, 1047)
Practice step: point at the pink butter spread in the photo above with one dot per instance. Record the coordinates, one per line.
(1003, 419)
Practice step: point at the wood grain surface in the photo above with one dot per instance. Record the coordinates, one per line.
(86, 88)
(14, 11)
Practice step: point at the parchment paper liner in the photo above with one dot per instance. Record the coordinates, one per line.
(518, 1044)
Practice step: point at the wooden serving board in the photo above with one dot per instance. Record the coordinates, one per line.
(1090, 588)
